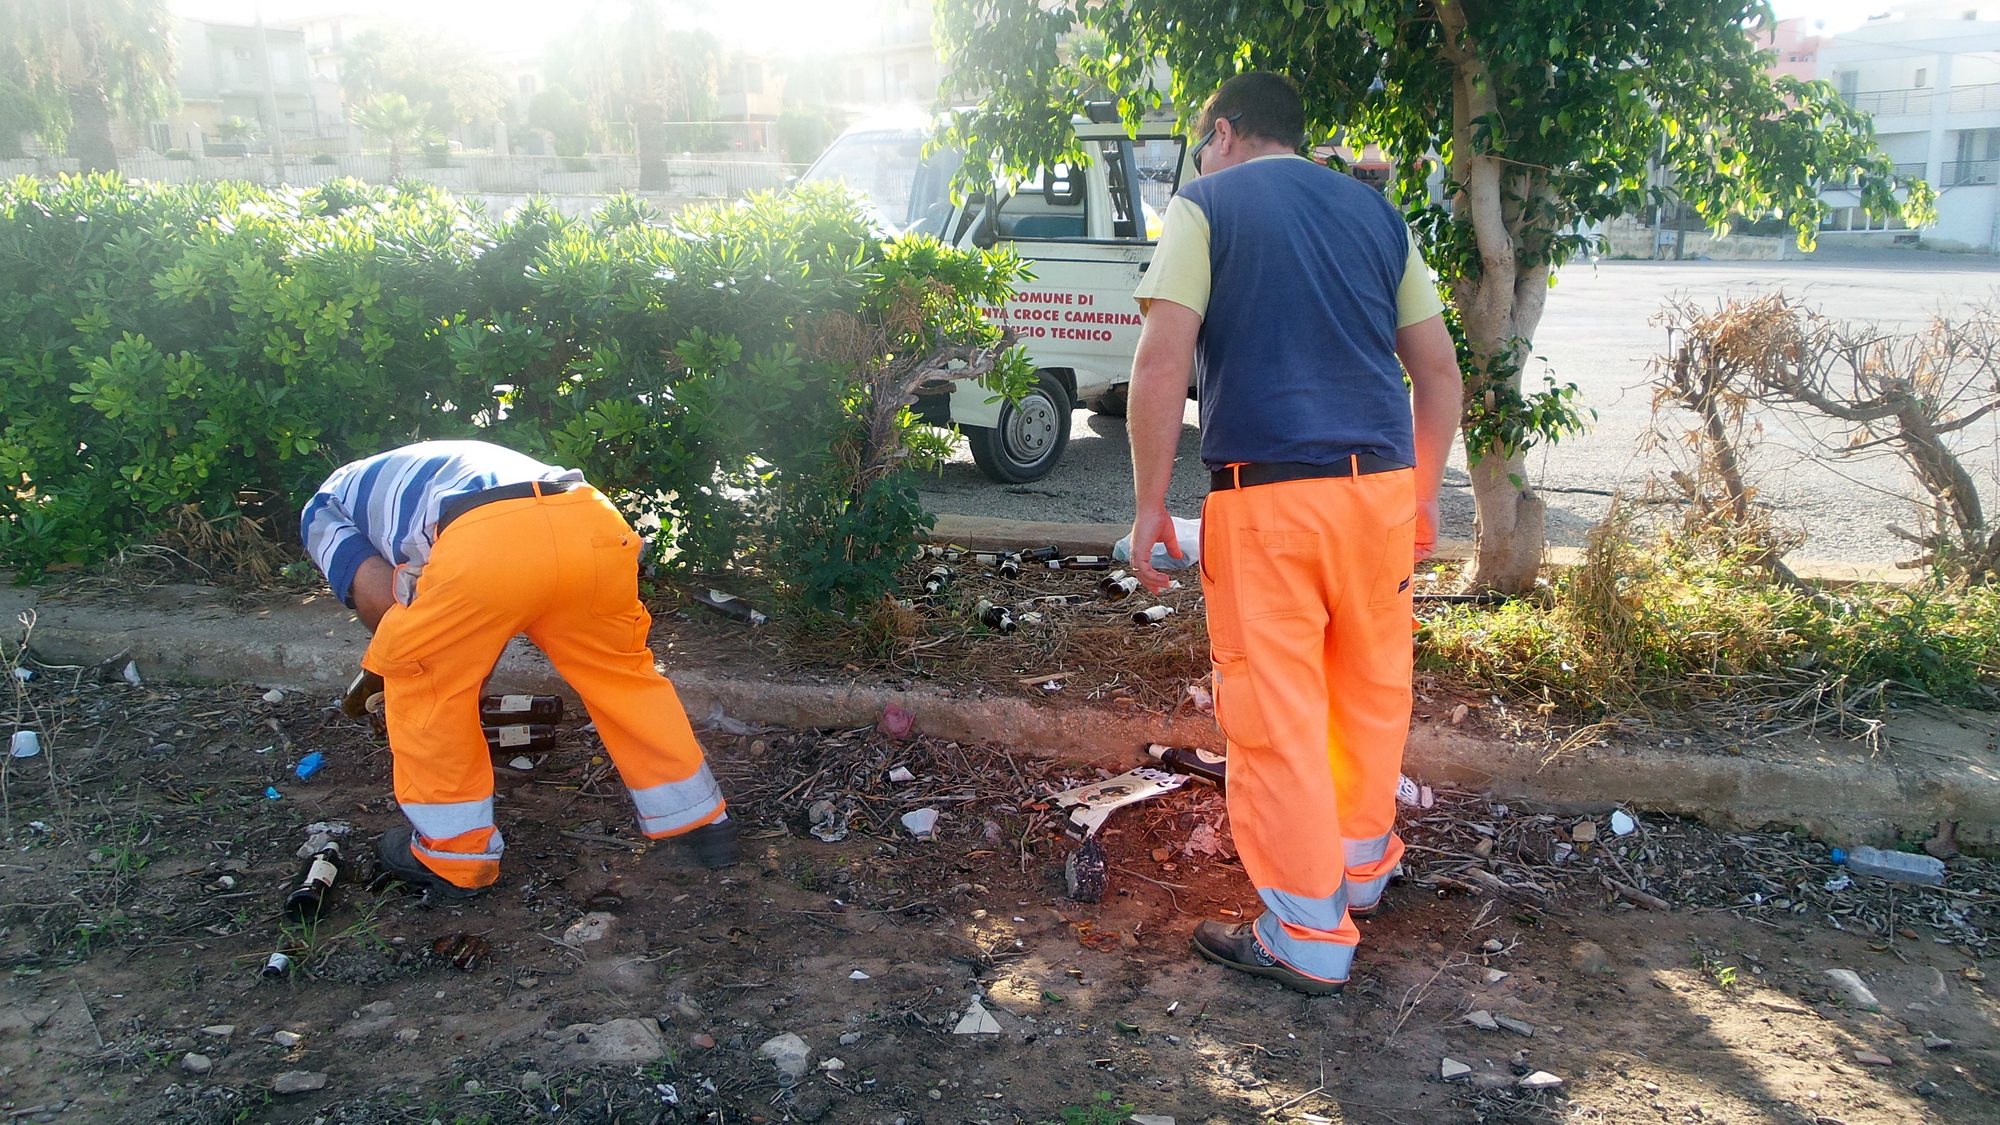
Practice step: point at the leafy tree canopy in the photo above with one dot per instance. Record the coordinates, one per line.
(459, 84)
(1541, 115)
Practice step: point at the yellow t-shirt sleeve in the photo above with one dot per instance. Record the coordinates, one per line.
(1179, 272)
(1417, 295)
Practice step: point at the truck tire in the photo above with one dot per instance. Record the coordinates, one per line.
(1111, 403)
(1030, 438)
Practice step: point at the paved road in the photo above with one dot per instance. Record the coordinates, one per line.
(1597, 334)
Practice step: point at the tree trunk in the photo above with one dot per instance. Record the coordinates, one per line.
(649, 127)
(90, 130)
(1499, 307)
(395, 160)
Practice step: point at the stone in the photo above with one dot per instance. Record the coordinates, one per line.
(219, 1030)
(831, 1065)
(1873, 1058)
(286, 1038)
(1589, 957)
(849, 1038)
(1451, 1069)
(197, 1064)
(473, 1086)
(614, 1041)
(408, 1035)
(1494, 945)
(901, 775)
(1540, 1080)
(531, 1080)
(702, 1041)
(789, 1054)
(1936, 1042)
(1495, 976)
(591, 927)
(1516, 1026)
(1482, 1019)
(371, 1018)
(299, 1082)
(1849, 983)
(1583, 831)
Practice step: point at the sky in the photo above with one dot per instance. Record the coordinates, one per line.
(517, 28)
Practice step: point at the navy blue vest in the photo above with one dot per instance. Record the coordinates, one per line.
(1297, 352)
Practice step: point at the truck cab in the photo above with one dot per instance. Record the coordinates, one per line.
(1087, 234)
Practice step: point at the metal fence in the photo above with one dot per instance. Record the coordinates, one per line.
(1891, 103)
(1964, 173)
(1975, 99)
(706, 176)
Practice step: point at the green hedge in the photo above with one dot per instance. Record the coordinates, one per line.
(737, 372)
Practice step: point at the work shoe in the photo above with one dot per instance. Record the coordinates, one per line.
(399, 861)
(714, 844)
(1236, 947)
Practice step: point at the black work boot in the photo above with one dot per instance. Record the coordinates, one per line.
(714, 844)
(1236, 947)
(398, 860)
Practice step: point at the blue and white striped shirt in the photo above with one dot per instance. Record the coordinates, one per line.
(387, 505)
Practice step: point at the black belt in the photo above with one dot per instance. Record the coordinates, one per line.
(1271, 472)
(464, 502)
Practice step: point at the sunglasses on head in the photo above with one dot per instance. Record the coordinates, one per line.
(1207, 137)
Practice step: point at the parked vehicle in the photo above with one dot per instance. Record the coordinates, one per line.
(1087, 233)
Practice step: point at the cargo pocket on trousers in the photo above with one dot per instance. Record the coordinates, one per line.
(1237, 710)
(1397, 565)
(415, 700)
(617, 560)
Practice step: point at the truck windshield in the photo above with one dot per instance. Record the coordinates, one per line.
(907, 193)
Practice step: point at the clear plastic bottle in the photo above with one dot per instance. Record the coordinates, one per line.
(1900, 867)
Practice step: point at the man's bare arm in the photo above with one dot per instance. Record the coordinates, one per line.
(1437, 399)
(373, 590)
(1155, 403)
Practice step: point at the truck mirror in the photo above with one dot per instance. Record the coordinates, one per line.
(986, 233)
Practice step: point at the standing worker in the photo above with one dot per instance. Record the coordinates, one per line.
(448, 549)
(1297, 290)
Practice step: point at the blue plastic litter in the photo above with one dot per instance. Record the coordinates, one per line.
(271, 792)
(309, 765)
(1837, 855)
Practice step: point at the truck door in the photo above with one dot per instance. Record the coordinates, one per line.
(1088, 234)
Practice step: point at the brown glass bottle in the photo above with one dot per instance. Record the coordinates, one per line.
(310, 900)
(521, 738)
(500, 710)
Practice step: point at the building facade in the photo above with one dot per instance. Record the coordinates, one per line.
(1929, 74)
(240, 72)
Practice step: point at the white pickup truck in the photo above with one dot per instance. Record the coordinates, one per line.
(1087, 234)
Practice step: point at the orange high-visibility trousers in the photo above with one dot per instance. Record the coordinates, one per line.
(1307, 584)
(564, 569)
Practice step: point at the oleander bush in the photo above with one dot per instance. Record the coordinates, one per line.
(739, 373)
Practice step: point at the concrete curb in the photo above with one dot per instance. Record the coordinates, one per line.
(1835, 790)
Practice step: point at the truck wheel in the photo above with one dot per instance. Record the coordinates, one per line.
(1031, 435)
(1111, 403)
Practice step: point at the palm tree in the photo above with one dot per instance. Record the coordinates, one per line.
(396, 120)
(77, 63)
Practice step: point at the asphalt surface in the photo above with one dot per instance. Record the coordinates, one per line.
(1597, 333)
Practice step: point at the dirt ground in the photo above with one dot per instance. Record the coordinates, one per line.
(147, 864)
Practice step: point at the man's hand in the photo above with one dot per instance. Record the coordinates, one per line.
(1427, 528)
(1148, 528)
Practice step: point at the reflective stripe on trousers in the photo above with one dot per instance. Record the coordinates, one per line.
(1370, 864)
(1305, 933)
(677, 806)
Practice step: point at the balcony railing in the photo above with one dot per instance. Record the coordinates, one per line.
(1975, 99)
(1891, 103)
(1981, 98)
(1964, 173)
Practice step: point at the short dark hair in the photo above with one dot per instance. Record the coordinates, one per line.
(1262, 104)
